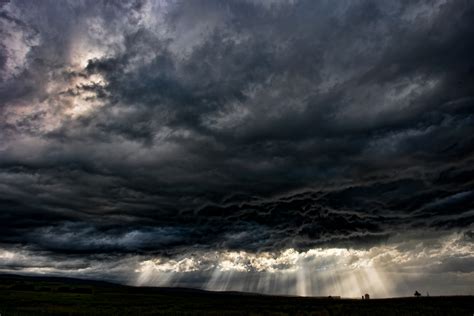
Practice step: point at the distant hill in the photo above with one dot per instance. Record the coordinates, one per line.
(38, 295)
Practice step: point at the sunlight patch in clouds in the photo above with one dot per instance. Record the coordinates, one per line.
(380, 270)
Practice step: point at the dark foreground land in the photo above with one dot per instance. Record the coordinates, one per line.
(61, 296)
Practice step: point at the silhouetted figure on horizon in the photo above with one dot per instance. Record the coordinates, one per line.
(417, 294)
(367, 296)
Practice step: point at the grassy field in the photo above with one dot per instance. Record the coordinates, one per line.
(60, 296)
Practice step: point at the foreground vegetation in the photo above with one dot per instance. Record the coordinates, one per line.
(61, 296)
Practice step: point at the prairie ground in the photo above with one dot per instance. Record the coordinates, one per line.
(61, 296)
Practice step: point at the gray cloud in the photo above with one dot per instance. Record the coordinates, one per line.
(159, 127)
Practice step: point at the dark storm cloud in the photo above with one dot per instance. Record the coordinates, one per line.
(234, 125)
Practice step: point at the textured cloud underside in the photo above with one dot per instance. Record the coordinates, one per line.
(145, 131)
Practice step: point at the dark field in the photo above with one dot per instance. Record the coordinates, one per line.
(60, 296)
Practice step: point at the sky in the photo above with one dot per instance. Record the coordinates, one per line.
(292, 147)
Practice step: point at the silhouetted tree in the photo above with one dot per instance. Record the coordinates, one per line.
(417, 294)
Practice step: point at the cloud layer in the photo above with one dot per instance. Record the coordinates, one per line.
(154, 129)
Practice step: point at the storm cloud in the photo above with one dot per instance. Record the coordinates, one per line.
(162, 131)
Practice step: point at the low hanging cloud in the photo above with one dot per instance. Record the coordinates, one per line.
(150, 130)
